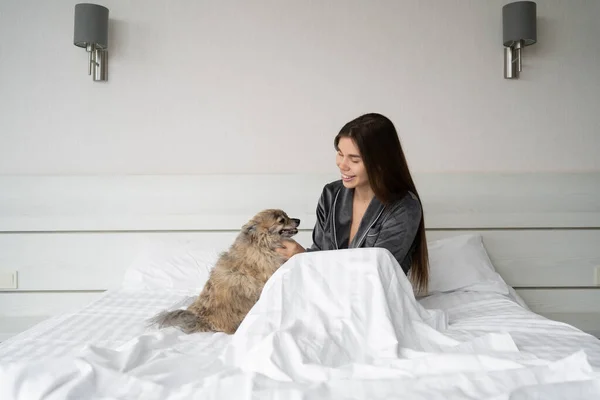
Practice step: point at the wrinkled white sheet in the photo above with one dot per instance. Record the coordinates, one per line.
(342, 325)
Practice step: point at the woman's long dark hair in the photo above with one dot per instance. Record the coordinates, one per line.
(389, 177)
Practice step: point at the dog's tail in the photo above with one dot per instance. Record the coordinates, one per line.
(185, 320)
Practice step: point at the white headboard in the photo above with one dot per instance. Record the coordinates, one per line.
(71, 237)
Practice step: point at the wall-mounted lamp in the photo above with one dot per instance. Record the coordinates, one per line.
(519, 29)
(91, 33)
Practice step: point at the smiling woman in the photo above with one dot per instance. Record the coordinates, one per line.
(375, 203)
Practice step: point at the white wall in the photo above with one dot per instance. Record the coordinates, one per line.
(263, 86)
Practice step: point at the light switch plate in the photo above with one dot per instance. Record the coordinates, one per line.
(8, 279)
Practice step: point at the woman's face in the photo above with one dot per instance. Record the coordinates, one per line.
(351, 166)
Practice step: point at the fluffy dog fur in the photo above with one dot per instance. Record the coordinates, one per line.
(237, 279)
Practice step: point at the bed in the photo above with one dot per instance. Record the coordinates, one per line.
(487, 330)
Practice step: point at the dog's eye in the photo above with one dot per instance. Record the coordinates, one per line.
(281, 220)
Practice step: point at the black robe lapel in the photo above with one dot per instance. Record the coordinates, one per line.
(372, 214)
(342, 214)
(342, 211)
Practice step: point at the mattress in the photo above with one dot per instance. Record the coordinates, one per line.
(120, 315)
(315, 332)
(113, 319)
(473, 314)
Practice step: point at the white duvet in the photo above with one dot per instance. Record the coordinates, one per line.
(329, 325)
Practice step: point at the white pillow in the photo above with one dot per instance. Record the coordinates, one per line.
(170, 265)
(461, 263)
(458, 263)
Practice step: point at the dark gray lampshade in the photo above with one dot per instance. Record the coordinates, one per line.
(519, 23)
(91, 25)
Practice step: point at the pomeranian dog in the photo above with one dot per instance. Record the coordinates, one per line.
(238, 277)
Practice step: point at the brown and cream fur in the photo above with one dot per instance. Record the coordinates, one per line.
(237, 279)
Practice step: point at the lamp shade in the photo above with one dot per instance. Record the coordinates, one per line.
(91, 25)
(519, 23)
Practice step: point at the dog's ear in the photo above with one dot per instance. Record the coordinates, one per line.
(249, 227)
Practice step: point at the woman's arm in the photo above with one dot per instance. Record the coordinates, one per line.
(399, 230)
(318, 234)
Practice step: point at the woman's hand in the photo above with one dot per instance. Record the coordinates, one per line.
(289, 247)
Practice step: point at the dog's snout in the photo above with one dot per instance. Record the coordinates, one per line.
(296, 221)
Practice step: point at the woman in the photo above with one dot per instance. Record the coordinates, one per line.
(375, 204)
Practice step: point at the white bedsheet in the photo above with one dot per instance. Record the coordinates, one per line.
(338, 324)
